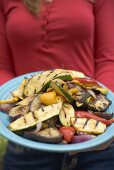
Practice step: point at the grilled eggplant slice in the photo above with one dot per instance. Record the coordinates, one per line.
(52, 122)
(49, 135)
(7, 107)
(66, 113)
(104, 115)
(100, 104)
(90, 126)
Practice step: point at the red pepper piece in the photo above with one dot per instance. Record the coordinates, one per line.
(84, 114)
(86, 82)
(68, 133)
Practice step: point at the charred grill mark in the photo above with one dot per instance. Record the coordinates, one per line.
(62, 85)
(34, 117)
(43, 84)
(55, 76)
(85, 123)
(24, 120)
(75, 120)
(65, 115)
(51, 71)
(65, 106)
(35, 91)
(40, 76)
(42, 109)
(97, 122)
(64, 112)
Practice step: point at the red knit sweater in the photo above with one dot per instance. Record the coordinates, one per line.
(70, 34)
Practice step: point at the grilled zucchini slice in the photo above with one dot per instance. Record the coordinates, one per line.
(90, 126)
(30, 119)
(34, 83)
(23, 123)
(46, 112)
(66, 113)
(19, 92)
(19, 110)
(26, 101)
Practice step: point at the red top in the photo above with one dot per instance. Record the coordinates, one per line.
(70, 34)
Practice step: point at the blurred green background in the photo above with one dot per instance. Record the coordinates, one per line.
(3, 146)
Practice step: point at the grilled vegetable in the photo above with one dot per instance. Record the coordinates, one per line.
(68, 133)
(82, 99)
(46, 112)
(26, 101)
(35, 84)
(100, 104)
(57, 73)
(62, 76)
(50, 122)
(77, 74)
(89, 115)
(86, 83)
(55, 105)
(49, 135)
(12, 119)
(90, 126)
(41, 81)
(66, 113)
(35, 104)
(31, 119)
(61, 91)
(104, 115)
(48, 98)
(82, 138)
(26, 122)
(10, 100)
(19, 110)
(102, 90)
(7, 107)
(19, 92)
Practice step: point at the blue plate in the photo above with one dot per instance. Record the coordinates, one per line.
(4, 122)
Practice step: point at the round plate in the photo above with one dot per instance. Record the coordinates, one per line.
(10, 86)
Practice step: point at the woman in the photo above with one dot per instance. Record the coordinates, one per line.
(44, 34)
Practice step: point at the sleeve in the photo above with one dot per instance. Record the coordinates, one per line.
(6, 64)
(104, 42)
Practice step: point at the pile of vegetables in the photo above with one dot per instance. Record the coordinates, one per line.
(58, 106)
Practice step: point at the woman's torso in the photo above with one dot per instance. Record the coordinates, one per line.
(61, 37)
